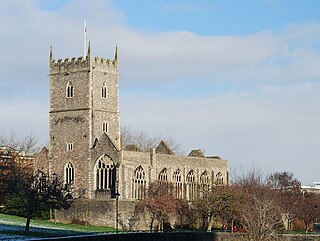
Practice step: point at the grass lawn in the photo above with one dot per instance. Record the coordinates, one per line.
(43, 228)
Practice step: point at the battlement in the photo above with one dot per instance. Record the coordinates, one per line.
(83, 64)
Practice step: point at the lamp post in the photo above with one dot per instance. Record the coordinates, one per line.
(117, 210)
(224, 213)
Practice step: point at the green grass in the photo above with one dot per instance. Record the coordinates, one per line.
(49, 228)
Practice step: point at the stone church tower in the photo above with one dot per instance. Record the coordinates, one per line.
(84, 124)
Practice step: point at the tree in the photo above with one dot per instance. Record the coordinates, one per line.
(26, 144)
(288, 190)
(145, 142)
(257, 207)
(215, 204)
(34, 189)
(307, 208)
(161, 202)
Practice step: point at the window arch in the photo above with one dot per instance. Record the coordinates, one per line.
(204, 182)
(69, 174)
(69, 90)
(104, 91)
(138, 183)
(219, 179)
(163, 176)
(191, 186)
(177, 182)
(103, 171)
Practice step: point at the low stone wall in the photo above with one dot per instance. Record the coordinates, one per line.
(103, 213)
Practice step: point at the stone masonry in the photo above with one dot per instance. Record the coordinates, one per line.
(85, 150)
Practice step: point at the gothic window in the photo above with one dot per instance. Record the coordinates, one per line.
(204, 182)
(103, 170)
(219, 179)
(105, 127)
(69, 90)
(191, 186)
(138, 183)
(163, 176)
(69, 174)
(177, 182)
(104, 91)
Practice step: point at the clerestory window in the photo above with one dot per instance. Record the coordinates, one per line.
(69, 90)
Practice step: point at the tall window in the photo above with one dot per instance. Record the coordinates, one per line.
(204, 182)
(163, 176)
(191, 186)
(105, 127)
(177, 182)
(103, 170)
(104, 91)
(138, 183)
(219, 179)
(69, 174)
(69, 90)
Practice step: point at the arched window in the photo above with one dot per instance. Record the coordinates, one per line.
(204, 182)
(69, 90)
(191, 186)
(69, 174)
(105, 127)
(104, 91)
(163, 176)
(177, 182)
(103, 171)
(219, 179)
(138, 183)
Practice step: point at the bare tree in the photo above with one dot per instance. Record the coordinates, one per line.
(161, 202)
(146, 142)
(27, 144)
(257, 207)
(215, 204)
(307, 209)
(288, 190)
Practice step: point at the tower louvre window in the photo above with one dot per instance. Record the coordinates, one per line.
(69, 90)
(104, 91)
(69, 147)
(105, 127)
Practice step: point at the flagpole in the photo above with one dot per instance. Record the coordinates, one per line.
(84, 38)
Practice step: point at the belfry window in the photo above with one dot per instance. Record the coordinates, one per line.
(103, 169)
(177, 182)
(69, 90)
(191, 186)
(105, 127)
(104, 91)
(69, 174)
(138, 183)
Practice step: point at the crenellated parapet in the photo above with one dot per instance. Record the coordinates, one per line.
(69, 65)
(105, 65)
(88, 63)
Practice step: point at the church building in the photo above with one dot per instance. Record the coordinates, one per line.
(86, 152)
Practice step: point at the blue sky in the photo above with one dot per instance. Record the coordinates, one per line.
(239, 79)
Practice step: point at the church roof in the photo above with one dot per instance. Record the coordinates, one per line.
(163, 148)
